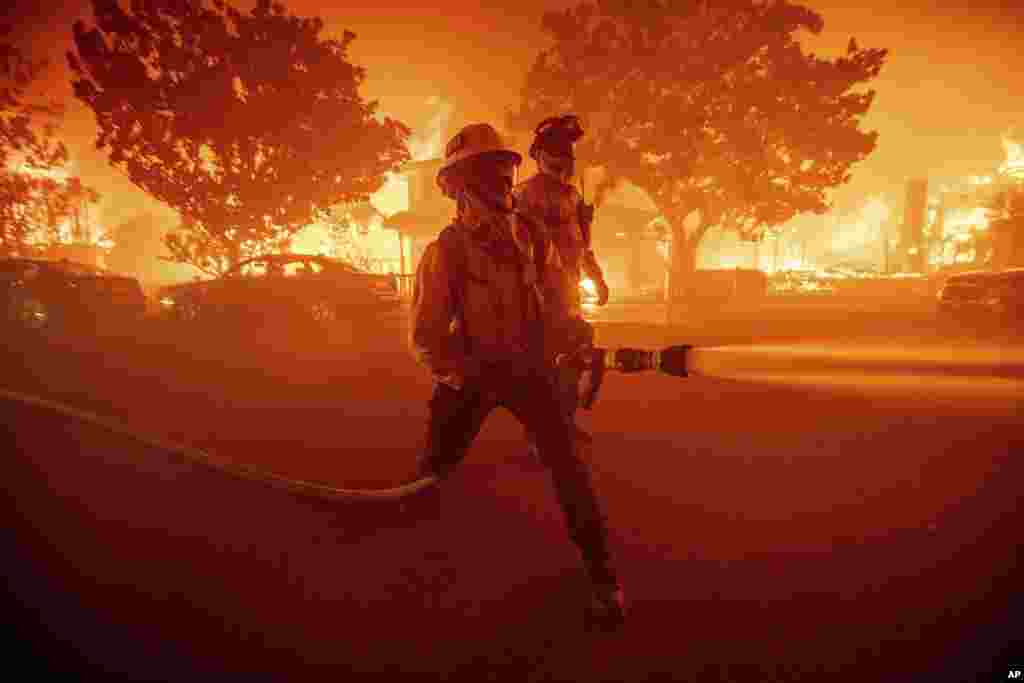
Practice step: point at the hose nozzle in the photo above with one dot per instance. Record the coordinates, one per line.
(670, 360)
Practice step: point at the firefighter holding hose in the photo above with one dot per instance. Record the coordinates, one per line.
(477, 323)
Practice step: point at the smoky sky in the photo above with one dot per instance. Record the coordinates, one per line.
(950, 88)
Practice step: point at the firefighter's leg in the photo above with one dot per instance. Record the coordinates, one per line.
(579, 335)
(566, 384)
(454, 420)
(534, 401)
(567, 335)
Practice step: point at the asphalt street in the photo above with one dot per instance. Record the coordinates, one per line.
(805, 508)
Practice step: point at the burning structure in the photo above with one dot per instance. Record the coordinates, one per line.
(958, 216)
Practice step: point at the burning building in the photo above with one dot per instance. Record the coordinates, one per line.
(427, 212)
(959, 215)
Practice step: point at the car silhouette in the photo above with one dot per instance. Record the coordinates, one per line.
(292, 287)
(986, 297)
(41, 295)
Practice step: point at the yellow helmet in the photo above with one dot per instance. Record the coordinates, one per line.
(475, 140)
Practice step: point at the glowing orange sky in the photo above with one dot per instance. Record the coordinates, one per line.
(951, 87)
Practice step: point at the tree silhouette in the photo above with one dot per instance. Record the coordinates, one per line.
(16, 73)
(714, 109)
(36, 194)
(249, 125)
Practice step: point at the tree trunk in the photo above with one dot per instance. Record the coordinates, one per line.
(683, 264)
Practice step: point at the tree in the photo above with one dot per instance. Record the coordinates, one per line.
(36, 194)
(344, 230)
(249, 125)
(713, 108)
(16, 72)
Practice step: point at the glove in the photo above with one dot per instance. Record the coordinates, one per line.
(580, 358)
(464, 377)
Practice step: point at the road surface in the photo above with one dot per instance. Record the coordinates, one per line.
(766, 529)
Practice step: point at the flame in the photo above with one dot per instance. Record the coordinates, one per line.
(367, 246)
(963, 220)
(393, 196)
(796, 264)
(1014, 148)
(313, 240)
(430, 143)
(59, 174)
(64, 231)
(864, 229)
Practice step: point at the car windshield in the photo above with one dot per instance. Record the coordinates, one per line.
(74, 269)
(284, 267)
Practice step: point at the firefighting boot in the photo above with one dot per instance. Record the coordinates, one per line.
(607, 607)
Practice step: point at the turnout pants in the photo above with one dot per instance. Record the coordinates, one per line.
(456, 417)
(567, 335)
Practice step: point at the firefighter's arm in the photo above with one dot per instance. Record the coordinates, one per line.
(431, 316)
(592, 269)
(588, 263)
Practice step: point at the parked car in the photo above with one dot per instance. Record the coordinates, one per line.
(36, 294)
(1004, 297)
(964, 295)
(986, 297)
(292, 286)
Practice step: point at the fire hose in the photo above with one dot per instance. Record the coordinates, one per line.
(671, 361)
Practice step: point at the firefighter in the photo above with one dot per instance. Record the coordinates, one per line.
(550, 199)
(476, 325)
